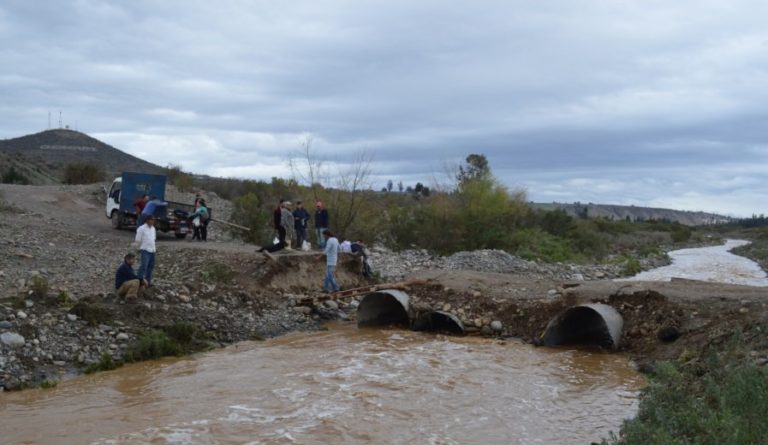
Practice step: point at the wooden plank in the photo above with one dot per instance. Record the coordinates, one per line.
(237, 226)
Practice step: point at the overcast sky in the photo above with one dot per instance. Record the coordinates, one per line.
(651, 103)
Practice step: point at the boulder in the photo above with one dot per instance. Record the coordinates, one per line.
(12, 339)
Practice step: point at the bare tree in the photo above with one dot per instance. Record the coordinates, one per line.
(307, 168)
(348, 199)
(341, 185)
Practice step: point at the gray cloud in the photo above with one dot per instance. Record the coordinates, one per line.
(646, 103)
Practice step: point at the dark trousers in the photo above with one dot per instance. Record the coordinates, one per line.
(281, 243)
(200, 232)
(301, 236)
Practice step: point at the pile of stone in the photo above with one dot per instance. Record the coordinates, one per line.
(396, 265)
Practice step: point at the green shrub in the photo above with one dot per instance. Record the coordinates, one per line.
(64, 298)
(105, 363)
(183, 333)
(39, 286)
(247, 212)
(649, 250)
(631, 267)
(48, 384)
(152, 345)
(82, 173)
(13, 176)
(93, 313)
(218, 273)
(681, 233)
(178, 177)
(719, 404)
(536, 244)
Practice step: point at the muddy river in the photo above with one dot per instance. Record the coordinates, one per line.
(715, 264)
(341, 386)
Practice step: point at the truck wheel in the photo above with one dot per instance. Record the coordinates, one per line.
(181, 235)
(117, 223)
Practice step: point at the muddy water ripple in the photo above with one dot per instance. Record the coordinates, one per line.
(342, 386)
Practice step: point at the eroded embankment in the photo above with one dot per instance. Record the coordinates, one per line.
(223, 298)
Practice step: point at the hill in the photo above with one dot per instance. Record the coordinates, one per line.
(41, 157)
(636, 214)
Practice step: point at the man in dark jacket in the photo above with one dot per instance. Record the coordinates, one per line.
(127, 283)
(301, 218)
(321, 223)
(277, 223)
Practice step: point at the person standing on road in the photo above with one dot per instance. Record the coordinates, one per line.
(145, 240)
(321, 223)
(301, 217)
(331, 258)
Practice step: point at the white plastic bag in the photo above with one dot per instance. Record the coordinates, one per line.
(276, 240)
(305, 246)
(196, 221)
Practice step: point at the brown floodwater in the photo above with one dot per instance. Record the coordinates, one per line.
(341, 386)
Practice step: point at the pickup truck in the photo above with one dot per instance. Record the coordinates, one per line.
(129, 187)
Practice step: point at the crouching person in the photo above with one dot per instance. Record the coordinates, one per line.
(127, 283)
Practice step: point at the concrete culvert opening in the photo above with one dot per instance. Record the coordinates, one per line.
(439, 321)
(588, 324)
(385, 307)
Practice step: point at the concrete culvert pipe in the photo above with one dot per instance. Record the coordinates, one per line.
(586, 324)
(439, 321)
(385, 307)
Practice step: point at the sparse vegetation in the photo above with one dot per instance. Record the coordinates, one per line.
(14, 176)
(48, 384)
(188, 336)
(718, 399)
(248, 212)
(63, 298)
(38, 284)
(82, 173)
(93, 313)
(758, 249)
(152, 345)
(631, 266)
(178, 177)
(177, 339)
(218, 273)
(105, 363)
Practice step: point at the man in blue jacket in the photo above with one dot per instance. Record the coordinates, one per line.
(127, 283)
(150, 208)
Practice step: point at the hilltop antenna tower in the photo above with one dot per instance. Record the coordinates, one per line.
(59, 118)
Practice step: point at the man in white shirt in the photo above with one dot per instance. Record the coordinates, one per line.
(145, 240)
